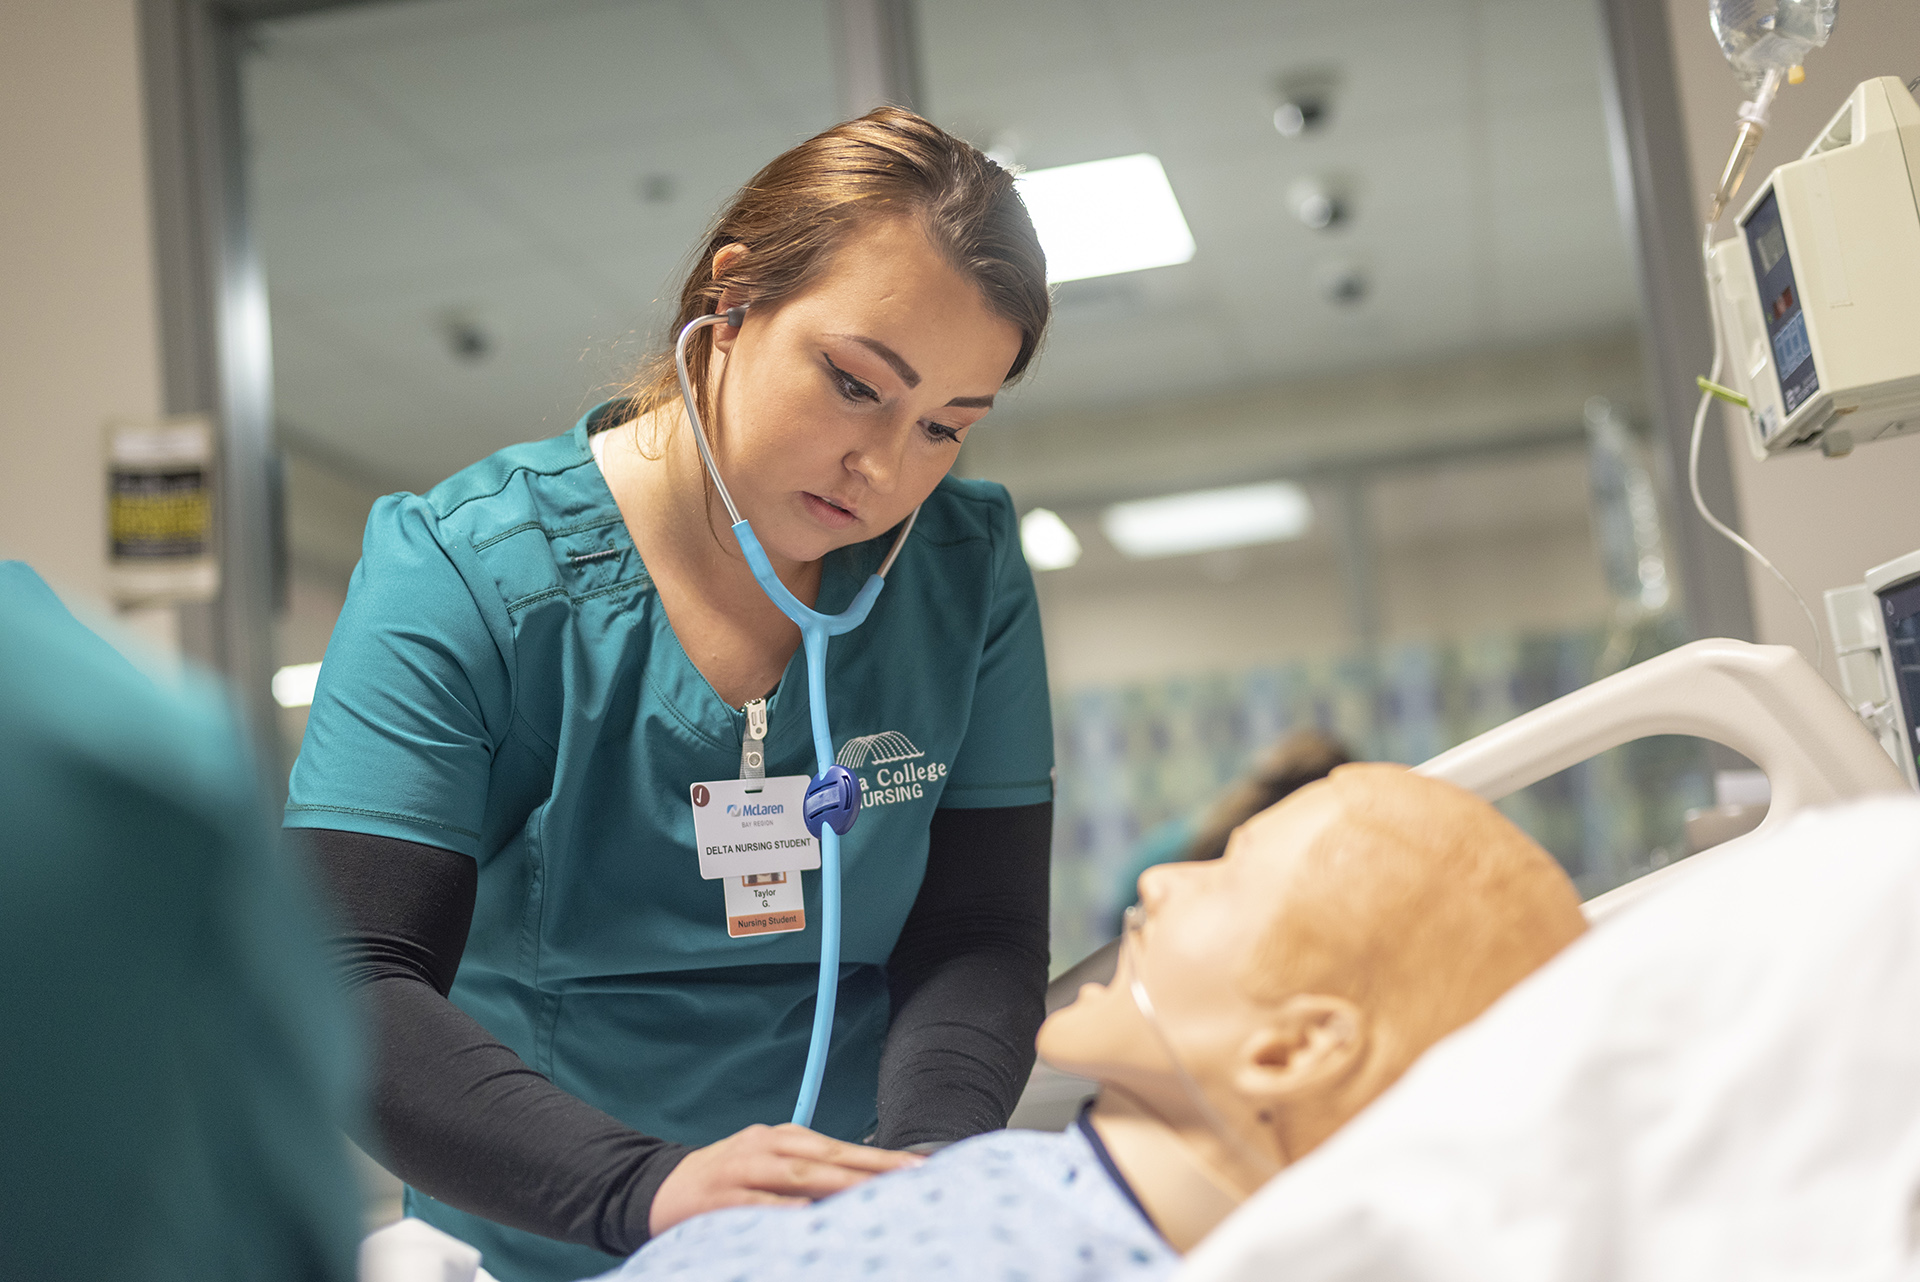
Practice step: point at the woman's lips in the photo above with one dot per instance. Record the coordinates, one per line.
(828, 513)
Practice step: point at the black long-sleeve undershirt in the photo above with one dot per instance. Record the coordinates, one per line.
(460, 1117)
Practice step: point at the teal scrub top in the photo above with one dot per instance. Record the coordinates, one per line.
(176, 1058)
(503, 682)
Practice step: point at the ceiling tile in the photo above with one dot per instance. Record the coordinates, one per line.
(516, 89)
(364, 238)
(307, 137)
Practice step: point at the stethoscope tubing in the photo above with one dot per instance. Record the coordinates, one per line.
(815, 629)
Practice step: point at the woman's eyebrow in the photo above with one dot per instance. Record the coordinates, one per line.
(908, 374)
(911, 376)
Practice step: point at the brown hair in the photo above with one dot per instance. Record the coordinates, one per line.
(1288, 766)
(793, 215)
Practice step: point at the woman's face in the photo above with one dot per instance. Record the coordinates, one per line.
(841, 409)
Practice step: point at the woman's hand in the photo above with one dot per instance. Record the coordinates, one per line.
(766, 1165)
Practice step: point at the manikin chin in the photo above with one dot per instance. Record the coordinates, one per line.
(1264, 999)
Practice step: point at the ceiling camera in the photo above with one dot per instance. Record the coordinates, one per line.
(1319, 203)
(1305, 101)
(1343, 283)
(468, 341)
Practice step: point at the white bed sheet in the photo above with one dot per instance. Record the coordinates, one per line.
(1723, 1081)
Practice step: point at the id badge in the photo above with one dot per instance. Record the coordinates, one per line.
(742, 827)
(747, 826)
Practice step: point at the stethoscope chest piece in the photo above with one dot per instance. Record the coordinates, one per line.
(833, 800)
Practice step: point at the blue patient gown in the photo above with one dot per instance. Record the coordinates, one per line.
(1011, 1206)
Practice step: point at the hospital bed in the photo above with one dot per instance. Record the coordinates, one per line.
(1720, 1081)
(1765, 702)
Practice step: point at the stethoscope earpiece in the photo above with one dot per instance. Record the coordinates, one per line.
(736, 314)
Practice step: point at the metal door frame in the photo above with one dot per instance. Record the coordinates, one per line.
(1653, 183)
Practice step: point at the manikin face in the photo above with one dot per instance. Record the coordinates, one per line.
(1202, 925)
(841, 409)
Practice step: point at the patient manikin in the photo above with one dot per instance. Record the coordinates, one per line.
(1260, 1002)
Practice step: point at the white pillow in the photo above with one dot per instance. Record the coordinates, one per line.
(1723, 1081)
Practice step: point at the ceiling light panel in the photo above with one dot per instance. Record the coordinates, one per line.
(1208, 520)
(293, 685)
(1104, 217)
(1047, 541)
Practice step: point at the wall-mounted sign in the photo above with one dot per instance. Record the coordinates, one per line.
(160, 511)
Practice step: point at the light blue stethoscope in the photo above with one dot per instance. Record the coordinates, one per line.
(833, 798)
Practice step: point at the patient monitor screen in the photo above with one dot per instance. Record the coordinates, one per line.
(1901, 606)
(1780, 304)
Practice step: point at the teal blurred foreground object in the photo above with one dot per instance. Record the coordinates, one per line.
(175, 1058)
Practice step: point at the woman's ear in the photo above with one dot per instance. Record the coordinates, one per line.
(1312, 1041)
(730, 295)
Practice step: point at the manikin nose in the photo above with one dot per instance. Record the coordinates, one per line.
(1152, 885)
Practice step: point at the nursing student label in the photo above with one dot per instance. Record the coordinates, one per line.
(747, 826)
(765, 903)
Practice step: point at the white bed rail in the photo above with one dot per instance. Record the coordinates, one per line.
(1763, 701)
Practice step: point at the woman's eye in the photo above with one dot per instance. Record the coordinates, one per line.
(941, 432)
(850, 387)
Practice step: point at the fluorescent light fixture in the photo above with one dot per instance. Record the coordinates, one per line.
(1047, 541)
(293, 685)
(1106, 216)
(1207, 520)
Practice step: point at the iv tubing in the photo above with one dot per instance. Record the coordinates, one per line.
(1693, 452)
(1753, 125)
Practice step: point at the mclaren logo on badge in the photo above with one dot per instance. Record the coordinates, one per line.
(881, 749)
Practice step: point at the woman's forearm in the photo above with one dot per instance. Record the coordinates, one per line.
(455, 1113)
(968, 978)
(462, 1119)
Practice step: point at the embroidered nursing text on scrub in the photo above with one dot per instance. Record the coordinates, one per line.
(899, 771)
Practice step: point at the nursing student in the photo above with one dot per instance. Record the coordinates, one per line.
(580, 1041)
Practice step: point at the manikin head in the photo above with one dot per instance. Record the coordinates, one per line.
(1348, 929)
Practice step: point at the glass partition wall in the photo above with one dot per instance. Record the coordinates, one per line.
(473, 215)
(1354, 273)
(1400, 353)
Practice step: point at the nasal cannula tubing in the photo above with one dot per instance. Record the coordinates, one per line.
(833, 798)
(1131, 922)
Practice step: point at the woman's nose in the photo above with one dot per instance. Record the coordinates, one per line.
(880, 459)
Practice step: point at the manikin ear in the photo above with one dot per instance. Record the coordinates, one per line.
(732, 296)
(1311, 1042)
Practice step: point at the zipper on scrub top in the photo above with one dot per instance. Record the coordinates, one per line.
(753, 743)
